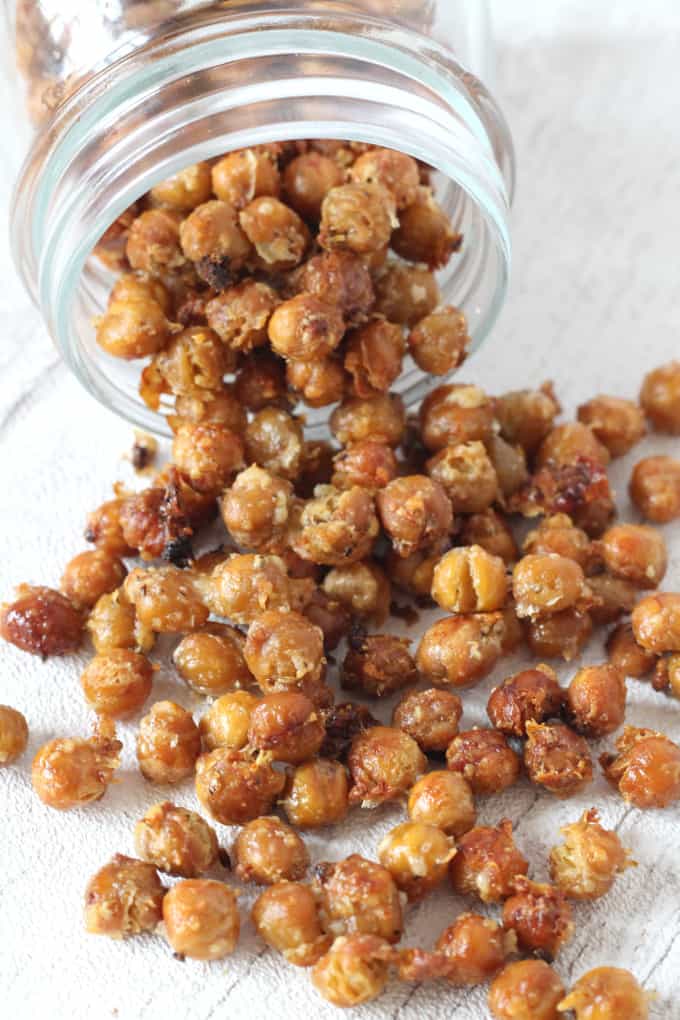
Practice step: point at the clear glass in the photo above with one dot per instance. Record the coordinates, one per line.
(126, 92)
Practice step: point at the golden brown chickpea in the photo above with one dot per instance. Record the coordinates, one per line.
(557, 759)
(509, 463)
(89, 575)
(467, 475)
(369, 464)
(558, 534)
(443, 799)
(234, 787)
(330, 616)
(384, 763)
(485, 760)
(586, 864)
(307, 180)
(660, 398)
(425, 233)
(277, 233)
(416, 855)
(245, 174)
(526, 990)
(415, 512)
(245, 585)
(460, 650)
(132, 287)
(358, 896)
(305, 328)
(125, 897)
(362, 588)
(617, 423)
(406, 294)
(568, 443)
(530, 694)
(455, 413)
(267, 851)
(184, 190)
(606, 993)
(69, 772)
(103, 528)
(212, 237)
(316, 794)
(176, 840)
(470, 580)
(212, 663)
(153, 243)
(414, 573)
(487, 863)
(316, 469)
(613, 597)
(357, 218)
(273, 440)
(353, 971)
(514, 629)
(283, 649)
(257, 507)
(342, 279)
(540, 917)
(373, 357)
(227, 721)
(195, 359)
(287, 726)
(627, 655)
(208, 454)
(168, 743)
(438, 343)
(635, 552)
(561, 635)
(285, 915)
(667, 675)
(261, 382)
(113, 624)
(41, 621)
(377, 664)
(646, 769)
(13, 734)
(395, 171)
(165, 599)
(382, 418)
(337, 527)
(431, 717)
(318, 383)
(596, 700)
(117, 683)
(655, 488)
(475, 949)
(239, 315)
(201, 919)
(547, 584)
(656, 622)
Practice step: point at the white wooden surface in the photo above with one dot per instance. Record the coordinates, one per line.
(591, 92)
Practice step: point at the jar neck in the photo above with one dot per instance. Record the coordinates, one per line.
(223, 82)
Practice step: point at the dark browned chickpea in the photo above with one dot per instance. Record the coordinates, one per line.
(526, 990)
(377, 664)
(568, 443)
(234, 787)
(596, 700)
(487, 863)
(540, 917)
(470, 580)
(425, 233)
(438, 343)
(89, 575)
(318, 383)
(581, 490)
(165, 599)
(184, 190)
(13, 734)
(353, 971)
(211, 662)
(176, 840)
(256, 509)
(547, 584)
(273, 440)
(69, 772)
(342, 723)
(646, 769)
(267, 850)
(227, 721)
(417, 856)
(667, 675)
(125, 897)
(384, 763)
(316, 794)
(362, 588)
(560, 636)
(305, 328)
(357, 218)
(636, 553)
(655, 488)
(240, 314)
(277, 233)
(284, 649)
(330, 616)
(208, 454)
(530, 694)
(117, 683)
(627, 655)
(382, 418)
(406, 294)
(656, 622)
(316, 468)
(287, 726)
(41, 621)
(431, 717)
(557, 759)
(168, 743)
(153, 242)
(342, 279)
(356, 895)
(369, 464)
(467, 475)
(201, 919)
(337, 527)
(558, 534)
(617, 423)
(414, 573)
(212, 238)
(455, 413)
(509, 463)
(373, 356)
(660, 398)
(585, 865)
(103, 528)
(443, 799)
(395, 171)
(606, 993)
(307, 180)
(261, 382)
(460, 650)
(245, 174)
(113, 624)
(485, 760)
(285, 915)
(475, 948)
(415, 512)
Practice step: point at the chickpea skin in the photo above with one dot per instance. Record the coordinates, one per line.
(431, 717)
(68, 772)
(586, 864)
(646, 768)
(41, 621)
(227, 721)
(384, 763)
(606, 993)
(487, 863)
(125, 897)
(485, 759)
(358, 896)
(416, 855)
(526, 990)
(234, 787)
(531, 694)
(13, 734)
(557, 758)
(540, 917)
(469, 580)
(176, 840)
(117, 683)
(660, 398)
(201, 919)
(443, 799)
(285, 915)
(353, 971)
(596, 700)
(317, 794)
(168, 743)
(267, 850)
(373, 356)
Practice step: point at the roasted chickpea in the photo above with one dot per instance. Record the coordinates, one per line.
(285, 915)
(283, 649)
(455, 413)
(305, 328)
(557, 759)
(510, 464)
(245, 585)
(257, 507)
(125, 897)
(165, 599)
(117, 683)
(627, 655)
(443, 799)
(469, 580)
(617, 423)
(613, 597)
(414, 573)
(316, 794)
(234, 787)
(212, 237)
(585, 865)
(13, 734)
(353, 971)
(245, 174)
(103, 528)
(342, 723)
(41, 621)
(395, 171)
(667, 675)
(362, 588)
(168, 743)
(212, 663)
(655, 488)
(636, 553)
(176, 840)
(287, 726)
(606, 993)
(530, 694)
(153, 242)
(431, 717)
(546, 584)
(208, 454)
(357, 218)
(273, 440)
(330, 616)
(342, 279)
(656, 622)
(560, 636)
(382, 418)
(569, 443)
(384, 763)
(377, 664)
(372, 357)
(358, 896)
(337, 527)
(368, 464)
(485, 759)
(277, 233)
(239, 315)
(596, 700)
(581, 490)
(559, 535)
(540, 917)
(415, 512)
(194, 361)
(227, 721)
(475, 948)
(646, 768)
(113, 624)
(406, 294)
(69, 772)
(132, 287)
(487, 863)
(89, 575)
(526, 990)
(267, 850)
(660, 398)
(438, 343)
(307, 180)
(416, 855)
(425, 233)
(318, 383)
(201, 919)
(316, 469)
(460, 650)
(466, 474)
(261, 382)
(185, 189)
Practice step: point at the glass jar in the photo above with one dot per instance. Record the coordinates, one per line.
(124, 93)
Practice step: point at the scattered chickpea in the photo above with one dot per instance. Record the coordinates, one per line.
(277, 233)
(469, 580)
(153, 242)
(460, 650)
(13, 734)
(417, 855)
(285, 915)
(337, 527)
(261, 382)
(617, 423)
(489, 530)
(103, 528)
(89, 575)
(117, 683)
(382, 418)
(68, 772)
(655, 488)
(194, 360)
(443, 799)
(431, 717)
(526, 990)
(526, 416)
(330, 616)
(567, 444)
(586, 864)
(212, 663)
(212, 237)
(245, 174)
(580, 489)
(415, 512)
(316, 794)
(558, 534)
(561, 635)
(267, 850)
(168, 743)
(384, 763)
(425, 233)
(287, 726)
(540, 916)
(357, 218)
(414, 573)
(406, 294)
(487, 863)
(125, 897)
(358, 896)
(455, 413)
(184, 190)
(257, 507)
(227, 721)
(319, 383)
(353, 971)
(627, 655)
(395, 171)
(557, 759)
(656, 622)
(373, 355)
(165, 599)
(234, 787)
(543, 585)
(133, 329)
(208, 453)
(176, 840)
(475, 948)
(636, 553)
(596, 700)
(660, 398)
(531, 694)
(245, 585)
(41, 621)
(273, 440)
(283, 649)
(485, 759)
(377, 664)
(201, 919)
(606, 993)
(240, 314)
(646, 768)
(362, 588)
(510, 464)
(467, 475)
(613, 597)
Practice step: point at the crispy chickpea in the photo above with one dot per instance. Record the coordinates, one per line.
(257, 507)
(514, 629)
(377, 664)
(68, 772)
(372, 357)
(168, 743)
(431, 717)
(384, 763)
(362, 588)
(613, 597)
(425, 233)
(132, 287)
(212, 237)
(467, 475)
(337, 527)
(560, 636)
(176, 840)
(353, 971)
(104, 529)
(667, 675)
(41, 621)
(530, 694)
(227, 721)
(382, 418)
(526, 416)
(414, 573)
(460, 650)
(153, 242)
(526, 990)
(316, 468)
(305, 328)
(627, 655)
(184, 190)
(656, 622)
(283, 649)
(277, 233)
(212, 663)
(655, 488)
(307, 180)
(369, 464)
(568, 443)
(406, 294)
(245, 174)
(330, 616)
(287, 726)
(273, 440)
(646, 769)
(475, 948)
(208, 454)
(125, 897)
(540, 917)
(558, 534)
(596, 700)
(316, 794)
(443, 799)
(89, 575)
(395, 171)
(509, 463)
(343, 721)
(201, 919)
(192, 365)
(635, 552)
(234, 787)
(586, 864)
(485, 760)
(342, 279)
(469, 580)
(113, 623)
(438, 343)
(247, 584)
(416, 855)
(110, 248)
(557, 759)
(13, 734)
(357, 218)
(239, 315)
(285, 915)
(581, 490)
(660, 398)
(546, 584)
(165, 599)
(455, 413)
(117, 683)
(318, 383)
(487, 863)
(415, 512)
(606, 993)
(358, 896)
(617, 423)
(267, 851)
(261, 382)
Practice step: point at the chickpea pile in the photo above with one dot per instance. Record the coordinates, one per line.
(305, 273)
